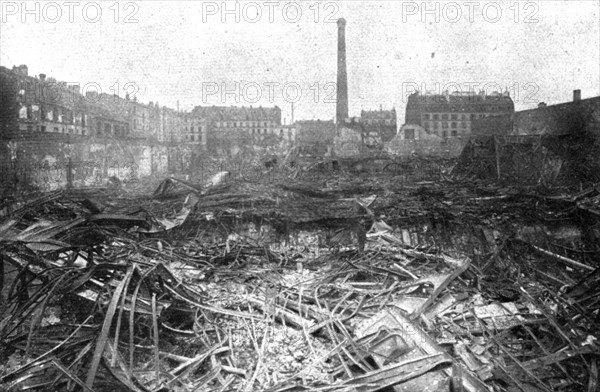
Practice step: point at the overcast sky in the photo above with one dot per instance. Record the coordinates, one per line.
(189, 51)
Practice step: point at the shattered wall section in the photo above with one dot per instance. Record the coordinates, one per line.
(431, 145)
(562, 119)
(347, 143)
(46, 165)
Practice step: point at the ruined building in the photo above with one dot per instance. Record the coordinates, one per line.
(452, 115)
(567, 118)
(549, 144)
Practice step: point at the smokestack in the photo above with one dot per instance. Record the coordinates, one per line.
(292, 113)
(341, 113)
(576, 95)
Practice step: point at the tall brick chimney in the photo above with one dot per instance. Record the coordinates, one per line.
(576, 95)
(341, 113)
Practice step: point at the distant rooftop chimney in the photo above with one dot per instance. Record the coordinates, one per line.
(75, 89)
(43, 77)
(576, 95)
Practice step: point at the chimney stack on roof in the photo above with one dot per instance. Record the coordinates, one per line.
(43, 77)
(75, 89)
(576, 95)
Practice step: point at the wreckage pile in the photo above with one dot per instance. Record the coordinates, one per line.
(350, 284)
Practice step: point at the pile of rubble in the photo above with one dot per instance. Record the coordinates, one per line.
(351, 284)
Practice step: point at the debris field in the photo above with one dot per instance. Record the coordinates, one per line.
(348, 283)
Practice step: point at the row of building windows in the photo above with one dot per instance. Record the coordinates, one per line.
(68, 117)
(56, 114)
(485, 108)
(102, 129)
(453, 116)
(378, 122)
(244, 124)
(445, 125)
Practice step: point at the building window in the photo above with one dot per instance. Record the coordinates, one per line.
(193, 138)
(473, 117)
(453, 125)
(453, 117)
(454, 133)
(464, 116)
(435, 125)
(444, 116)
(409, 134)
(426, 116)
(445, 125)
(445, 134)
(463, 125)
(436, 116)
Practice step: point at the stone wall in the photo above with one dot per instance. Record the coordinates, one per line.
(428, 145)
